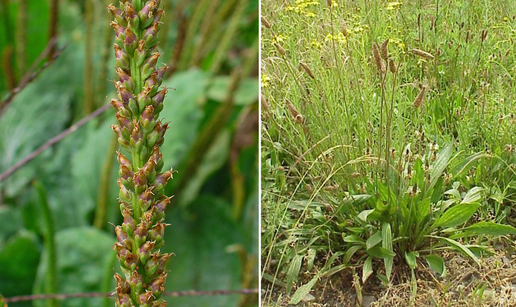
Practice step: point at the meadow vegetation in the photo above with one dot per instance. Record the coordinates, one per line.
(388, 143)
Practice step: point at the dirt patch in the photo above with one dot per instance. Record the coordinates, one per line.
(465, 284)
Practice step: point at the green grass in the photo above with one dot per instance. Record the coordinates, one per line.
(351, 160)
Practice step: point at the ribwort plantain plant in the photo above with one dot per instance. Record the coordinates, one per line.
(140, 134)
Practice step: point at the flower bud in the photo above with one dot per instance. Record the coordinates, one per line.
(145, 251)
(124, 300)
(157, 101)
(160, 182)
(140, 54)
(131, 261)
(125, 194)
(148, 122)
(121, 57)
(144, 98)
(145, 199)
(157, 15)
(136, 281)
(140, 234)
(140, 181)
(146, 13)
(123, 93)
(132, 16)
(161, 206)
(129, 224)
(146, 299)
(119, 31)
(149, 65)
(118, 14)
(157, 157)
(158, 285)
(124, 122)
(156, 233)
(131, 41)
(125, 79)
(150, 35)
(149, 170)
(121, 284)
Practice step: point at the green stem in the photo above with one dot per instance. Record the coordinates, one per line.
(21, 37)
(88, 62)
(50, 247)
(230, 32)
(193, 26)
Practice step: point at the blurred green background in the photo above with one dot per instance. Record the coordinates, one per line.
(211, 49)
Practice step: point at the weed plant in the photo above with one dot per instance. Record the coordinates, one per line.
(388, 133)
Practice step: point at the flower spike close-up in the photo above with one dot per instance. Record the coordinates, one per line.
(140, 134)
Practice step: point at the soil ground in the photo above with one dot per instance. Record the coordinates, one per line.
(465, 284)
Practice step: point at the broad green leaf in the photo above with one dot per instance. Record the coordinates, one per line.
(198, 237)
(246, 94)
(350, 252)
(293, 271)
(456, 215)
(490, 228)
(387, 244)
(10, 222)
(182, 109)
(352, 239)
(83, 255)
(334, 269)
(302, 291)
(440, 164)
(18, 265)
(436, 264)
(459, 247)
(213, 160)
(367, 269)
(373, 240)
(23, 129)
(364, 214)
(410, 257)
(380, 252)
(310, 258)
(423, 210)
(87, 166)
(459, 170)
(474, 195)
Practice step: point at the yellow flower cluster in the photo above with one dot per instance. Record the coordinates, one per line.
(393, 5)
(265, 80)
(303, 7)
(398, 43)
(339, 38)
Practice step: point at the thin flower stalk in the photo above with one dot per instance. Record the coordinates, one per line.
(140, 134)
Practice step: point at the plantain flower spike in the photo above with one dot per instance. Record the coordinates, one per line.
(140, 134)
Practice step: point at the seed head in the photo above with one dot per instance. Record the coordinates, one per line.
(377, 58)
(384, 50)
(423, 54)
(419, 98)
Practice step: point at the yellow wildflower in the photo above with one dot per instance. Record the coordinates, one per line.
(340, 38)
(265, 80)
(315, 44)
(393, 5)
